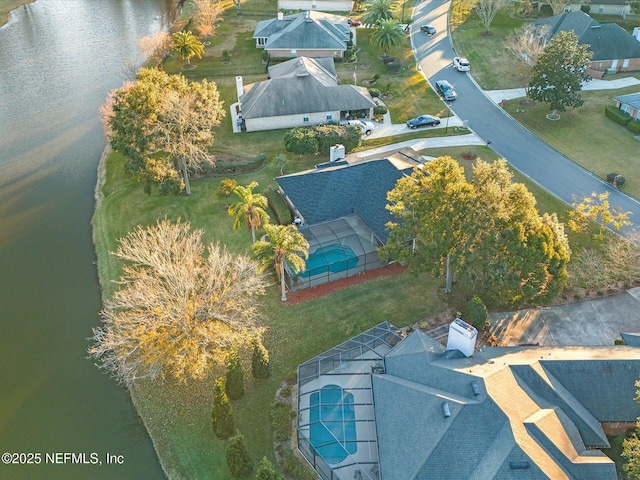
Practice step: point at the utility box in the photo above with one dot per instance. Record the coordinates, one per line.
(336, 153)
(462, 337)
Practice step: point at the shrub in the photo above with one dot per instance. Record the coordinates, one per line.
(301, 141)
(380, 110)
(374, 92)
(225, 55)
(238, 459)
(375, 77)
(330, 135)
(634, 127)
(266, 471)
(260, 367)
(394, 65)
(281, 421)
(585, 8)
(348, 55)
(617, 115)
(235, 377)
(265, 55)
(294, 469)
(477, 313)
(222, 413)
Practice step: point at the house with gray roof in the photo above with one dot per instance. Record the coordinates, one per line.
(316, 5)
(307, 34)
(341, 209)
(302, 92)
(602, 7)
(629, 104)
(505, 413)
(613, 49)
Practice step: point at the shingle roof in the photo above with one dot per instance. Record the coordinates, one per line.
(607, 41)
(329, 193)
(535, 416)
(633, 100)
(299, 86)
(306, 30)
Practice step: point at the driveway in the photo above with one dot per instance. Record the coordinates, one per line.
(591, 322)
(524, 151)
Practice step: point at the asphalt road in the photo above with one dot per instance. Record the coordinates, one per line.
(523, 150)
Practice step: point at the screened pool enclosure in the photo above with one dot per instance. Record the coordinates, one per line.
(336, 418)
(337, 249)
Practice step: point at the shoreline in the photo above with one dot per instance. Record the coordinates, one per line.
(6, 11)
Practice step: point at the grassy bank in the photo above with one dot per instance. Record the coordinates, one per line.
(7, 5)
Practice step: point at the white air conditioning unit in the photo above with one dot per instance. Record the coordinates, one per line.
(462, 337)
(336, 153)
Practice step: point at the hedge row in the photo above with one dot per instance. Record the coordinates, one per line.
(634, 127)
(309, 141)
(617, 115)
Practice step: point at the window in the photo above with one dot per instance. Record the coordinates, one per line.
(601, 9)
(262, 41)
(305, 119)
(294, 54)
(625, 63)
(329, 116)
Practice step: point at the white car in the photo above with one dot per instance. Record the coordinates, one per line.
(461, 64)
(366, 127)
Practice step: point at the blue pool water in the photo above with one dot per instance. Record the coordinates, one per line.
(332, 258)
(333, 424)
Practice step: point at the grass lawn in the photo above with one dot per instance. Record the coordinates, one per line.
(588, 137)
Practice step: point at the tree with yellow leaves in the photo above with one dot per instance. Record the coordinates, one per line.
(178, 311)
(593, 214)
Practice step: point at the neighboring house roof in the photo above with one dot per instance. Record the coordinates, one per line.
(305, 31)
(536, 413)
(607, 41)
(632, 99)
(355, 186)
(302, 85)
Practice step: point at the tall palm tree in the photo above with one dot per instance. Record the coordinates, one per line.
(285, 244)
(187, 45)
(378, 10)
(251, 206)
(387, 34)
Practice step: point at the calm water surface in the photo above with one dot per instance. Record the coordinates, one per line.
(58, 60)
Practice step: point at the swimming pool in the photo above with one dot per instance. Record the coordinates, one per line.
(333, 424)
(332, 258)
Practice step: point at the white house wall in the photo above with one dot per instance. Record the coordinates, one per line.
(289, 121)
(320, 5)
(286, 53)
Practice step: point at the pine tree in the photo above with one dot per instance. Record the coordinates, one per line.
(266, 471)
(260, 366)
(238, 459)
(235, 377)
(222, 413)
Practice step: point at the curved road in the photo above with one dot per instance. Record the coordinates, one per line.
(526, 152)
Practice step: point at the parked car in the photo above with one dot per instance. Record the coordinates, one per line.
(365, 126)
(354, 23)
(428, 29)
(423, 121)
(446, 91)
(461, 64)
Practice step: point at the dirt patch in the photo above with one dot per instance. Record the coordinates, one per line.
(230, 39)
(320, 290)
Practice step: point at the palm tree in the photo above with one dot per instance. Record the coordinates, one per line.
(251, 206)
(187, 45)
(378, 10)
(387, 34)
(285, 244)
(226, 188)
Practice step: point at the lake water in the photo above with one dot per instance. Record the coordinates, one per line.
(58, 60)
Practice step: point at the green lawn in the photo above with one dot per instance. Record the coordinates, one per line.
(588, 137)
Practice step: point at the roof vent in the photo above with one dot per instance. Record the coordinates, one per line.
(302, 74)
(519, 465)
(475, 389)
(446, 411)
(593, 27)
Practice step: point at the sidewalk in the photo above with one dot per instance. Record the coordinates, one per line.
(496, 96)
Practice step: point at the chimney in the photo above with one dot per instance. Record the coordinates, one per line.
(280, 15)
(239, 87)
(636, 33)
(462, 337)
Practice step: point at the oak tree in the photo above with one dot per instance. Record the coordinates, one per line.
(207, 14)
(559, 72)
(488, 9)
(179, 308)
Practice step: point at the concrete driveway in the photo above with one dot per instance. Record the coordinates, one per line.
(591, 322)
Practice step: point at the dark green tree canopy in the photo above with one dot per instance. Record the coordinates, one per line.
(559, 72)
(499, 247)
